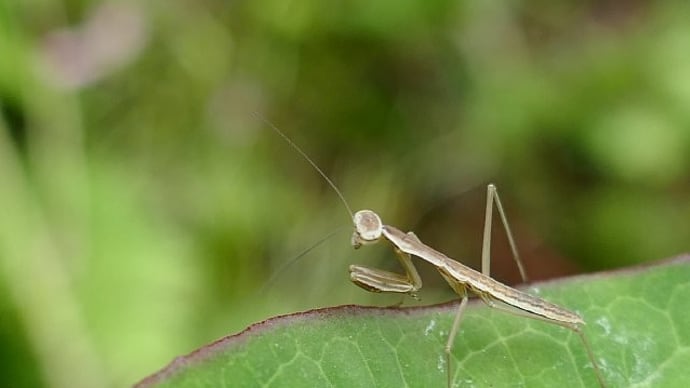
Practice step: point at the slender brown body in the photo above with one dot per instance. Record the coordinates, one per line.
(478, 282)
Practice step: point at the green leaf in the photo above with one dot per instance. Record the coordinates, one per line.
(638, 323)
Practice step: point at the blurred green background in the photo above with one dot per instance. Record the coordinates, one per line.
(143, 206)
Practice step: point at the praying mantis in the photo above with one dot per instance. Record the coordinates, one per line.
(369, 229)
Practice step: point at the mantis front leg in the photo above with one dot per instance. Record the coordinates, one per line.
(378, 280)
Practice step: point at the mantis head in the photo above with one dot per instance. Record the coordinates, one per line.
(368, 228)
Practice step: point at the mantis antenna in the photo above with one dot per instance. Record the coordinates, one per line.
(308, 159)
(269, 283)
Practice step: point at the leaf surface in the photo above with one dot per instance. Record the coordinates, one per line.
(638, 323)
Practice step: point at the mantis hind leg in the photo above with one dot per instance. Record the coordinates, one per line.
(491, 197)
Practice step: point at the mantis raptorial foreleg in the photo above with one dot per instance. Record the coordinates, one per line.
(378, 280)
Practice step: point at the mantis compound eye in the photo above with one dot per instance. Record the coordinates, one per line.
(368, 228)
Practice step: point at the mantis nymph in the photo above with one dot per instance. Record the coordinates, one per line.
(370, 229)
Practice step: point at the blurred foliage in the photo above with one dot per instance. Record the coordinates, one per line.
(144, 206)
